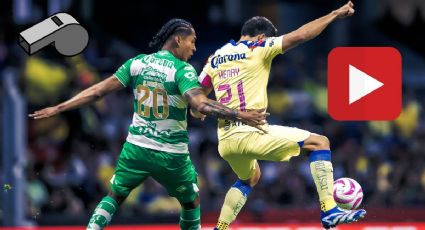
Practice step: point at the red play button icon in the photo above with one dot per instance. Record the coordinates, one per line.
(364, 83)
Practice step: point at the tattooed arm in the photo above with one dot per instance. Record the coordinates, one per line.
(201, 103)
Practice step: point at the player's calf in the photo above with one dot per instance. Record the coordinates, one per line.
(190, 215)
(233, 202)
(103, 213)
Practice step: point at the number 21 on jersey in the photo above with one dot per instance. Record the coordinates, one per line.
(227, 98)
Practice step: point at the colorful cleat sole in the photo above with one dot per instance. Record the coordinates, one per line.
(335, 216)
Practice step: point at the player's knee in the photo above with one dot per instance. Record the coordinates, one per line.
(192, 205)
(324, 142)
(316, 142)
(255, 178)
(118, 198)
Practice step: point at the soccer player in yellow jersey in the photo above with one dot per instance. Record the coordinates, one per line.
(238, 72)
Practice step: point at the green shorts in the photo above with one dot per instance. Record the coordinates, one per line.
(174, 171)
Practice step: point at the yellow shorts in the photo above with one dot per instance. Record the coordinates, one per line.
(242, 150)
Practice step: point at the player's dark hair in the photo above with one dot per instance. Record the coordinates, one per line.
(258, 25)
(173, 26)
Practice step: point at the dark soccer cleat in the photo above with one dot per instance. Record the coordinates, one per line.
(337, 215)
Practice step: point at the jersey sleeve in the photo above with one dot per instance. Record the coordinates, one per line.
(186, 78)
(205, 76)
(272, 47)
(123, 73)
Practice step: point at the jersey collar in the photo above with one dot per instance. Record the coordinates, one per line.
(247, 43)
(165, 52)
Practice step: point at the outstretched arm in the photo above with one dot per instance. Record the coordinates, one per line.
(314, 28)
(86, 96)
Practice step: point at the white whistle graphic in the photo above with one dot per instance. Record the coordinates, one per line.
(61, 29)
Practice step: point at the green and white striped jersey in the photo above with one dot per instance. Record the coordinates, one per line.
(158, 81)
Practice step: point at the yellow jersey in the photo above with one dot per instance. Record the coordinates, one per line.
(239, 73)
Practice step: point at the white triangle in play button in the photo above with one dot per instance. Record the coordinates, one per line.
(361, 84)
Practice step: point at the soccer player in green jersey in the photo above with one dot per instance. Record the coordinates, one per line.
(157, 143)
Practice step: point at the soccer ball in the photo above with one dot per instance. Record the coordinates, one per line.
(348, 193)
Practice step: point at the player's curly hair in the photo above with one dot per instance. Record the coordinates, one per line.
(258, 25)
(173, 26)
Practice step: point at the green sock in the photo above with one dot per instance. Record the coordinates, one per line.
(103, 213)
(190, 219)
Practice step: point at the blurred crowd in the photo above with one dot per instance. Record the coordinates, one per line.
(71, 156)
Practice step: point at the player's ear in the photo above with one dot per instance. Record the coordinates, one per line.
(262, 36)
(177, 40)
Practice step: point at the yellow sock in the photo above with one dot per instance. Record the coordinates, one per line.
(222, 226)
(233, 203)
(322, 173)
